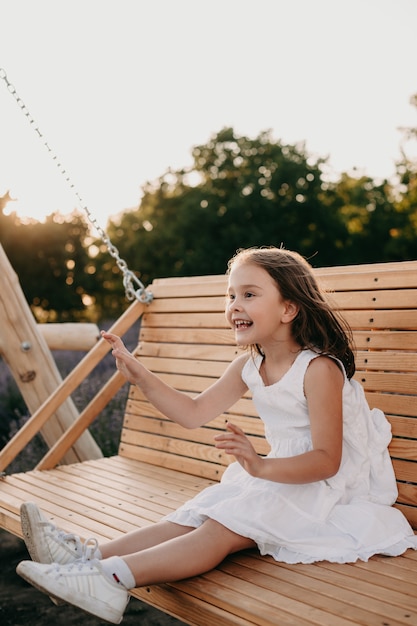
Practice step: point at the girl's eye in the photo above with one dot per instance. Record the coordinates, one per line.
(248, 295)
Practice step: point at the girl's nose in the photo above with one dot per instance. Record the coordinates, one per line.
(234, 305)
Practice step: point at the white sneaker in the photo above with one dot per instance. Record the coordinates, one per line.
(82, 584)
(48, 544)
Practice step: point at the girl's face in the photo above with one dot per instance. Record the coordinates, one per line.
(255, 308)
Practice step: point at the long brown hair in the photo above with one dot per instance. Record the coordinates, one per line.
(316, 325)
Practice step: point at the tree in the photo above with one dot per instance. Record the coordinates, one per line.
(373, 220)
(51, 260)
(239, 192)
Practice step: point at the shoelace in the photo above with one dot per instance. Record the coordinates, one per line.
(86, 549)
(85, 561)
(89, 547)
(55, 531)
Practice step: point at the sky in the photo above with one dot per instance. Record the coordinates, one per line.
(123, 89)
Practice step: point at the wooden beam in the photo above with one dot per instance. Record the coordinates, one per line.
(34, 368)
(70, 336)
(60, 395)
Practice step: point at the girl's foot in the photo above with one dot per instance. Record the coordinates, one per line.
(48, 544)
(82, 584)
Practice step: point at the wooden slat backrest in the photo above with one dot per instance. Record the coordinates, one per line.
(184, 338)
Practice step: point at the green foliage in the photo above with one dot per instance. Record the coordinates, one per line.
(239, 192)
(243, 192)
(378, 230)
(50, 260)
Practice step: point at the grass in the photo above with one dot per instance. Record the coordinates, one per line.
(106, 428)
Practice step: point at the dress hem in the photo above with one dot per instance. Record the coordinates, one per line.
(282, 554)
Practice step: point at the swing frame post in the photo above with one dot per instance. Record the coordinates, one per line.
(32, 365)
(48, 396)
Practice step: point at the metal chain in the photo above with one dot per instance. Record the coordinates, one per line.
(134, 288)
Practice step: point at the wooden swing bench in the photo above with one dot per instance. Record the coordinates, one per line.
(185, 340)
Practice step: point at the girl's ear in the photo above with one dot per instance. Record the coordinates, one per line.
(291, 311)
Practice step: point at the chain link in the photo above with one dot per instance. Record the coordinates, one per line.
(134, 288)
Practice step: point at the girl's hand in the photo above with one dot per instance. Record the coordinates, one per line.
(126, 362)
(236, 442)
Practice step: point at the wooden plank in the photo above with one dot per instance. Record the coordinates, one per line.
(162, 486)
(405, 470)
(142, 415)
(187, 608)
(194, 467)
(383, 299)
(387, 361)
(378, 339)
(333, 591)
(385, 340)
(403, 427)
(368, 280)
(194, 304)
(165, 436)
(180, 335)
(404, 449)
(388, 382)
(188, 367)
(185, 320)
(151, 354)
(392, 404)
(369, 268)
(410, 512)
(379, 572)
(399, 319)
(405, 475)
(263, 603)
(359, 307)
(187, 288)
(176, 447)
(391, 605)
(206, 352)
(351, 277)
(154, 477)
(244, 406)
(407, 493)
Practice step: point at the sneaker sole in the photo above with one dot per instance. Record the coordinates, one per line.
(29, 518)
(29, 512)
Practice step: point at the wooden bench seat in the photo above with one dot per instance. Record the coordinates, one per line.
(185, 340)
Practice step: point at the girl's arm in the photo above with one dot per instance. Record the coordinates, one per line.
(178, 406)
(323, 389)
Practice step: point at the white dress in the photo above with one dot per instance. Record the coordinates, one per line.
(341, 519)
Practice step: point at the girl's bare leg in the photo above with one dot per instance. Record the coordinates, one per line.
(143, 538)
(182, 552)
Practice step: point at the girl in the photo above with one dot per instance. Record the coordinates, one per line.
(325, 491)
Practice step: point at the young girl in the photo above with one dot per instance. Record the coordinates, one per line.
(324, 492)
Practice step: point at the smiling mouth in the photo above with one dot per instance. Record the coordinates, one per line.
(242, 324)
